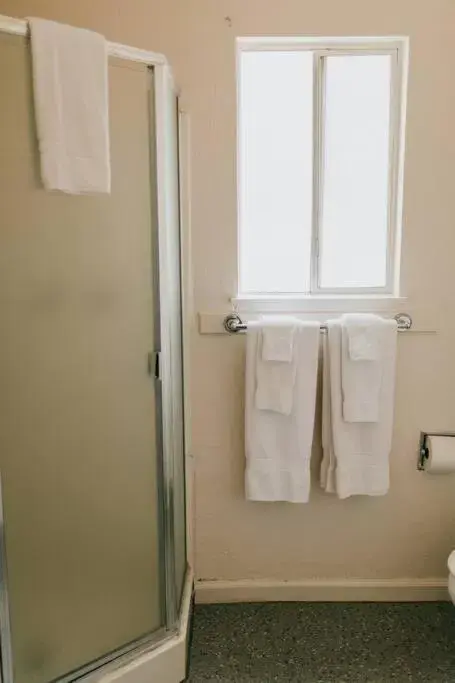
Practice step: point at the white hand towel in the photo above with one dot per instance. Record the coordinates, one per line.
(357, 454)
(275, 377)
(278, 447)
(361, 379)
(363, 335)
(278, 341)
(70, 86)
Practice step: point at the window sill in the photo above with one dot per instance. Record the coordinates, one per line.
(366, 303)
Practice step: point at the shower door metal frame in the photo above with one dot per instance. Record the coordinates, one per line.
(6, 653)
(163, 80)
(157, 63)
(163, 83)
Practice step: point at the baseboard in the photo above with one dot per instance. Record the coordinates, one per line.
(323, 590)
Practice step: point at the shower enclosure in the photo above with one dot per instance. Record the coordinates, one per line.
(93, 558)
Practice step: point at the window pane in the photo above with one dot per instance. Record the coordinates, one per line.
(275, 170)
(356, 163)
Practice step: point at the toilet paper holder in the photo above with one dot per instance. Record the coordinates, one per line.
(423, 448)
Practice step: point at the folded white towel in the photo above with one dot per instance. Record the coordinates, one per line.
(70, 86)
(363, 338)
(356, 455)
(363, 335)
(276, 366)
(278, 447)
(278, 341)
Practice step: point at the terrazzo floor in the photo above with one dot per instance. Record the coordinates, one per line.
(324, 643)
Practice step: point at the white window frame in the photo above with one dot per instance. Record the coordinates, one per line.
(398, 48)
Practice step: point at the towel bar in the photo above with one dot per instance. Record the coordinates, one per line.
(233, 323)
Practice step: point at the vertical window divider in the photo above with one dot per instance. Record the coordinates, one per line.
(318, 167)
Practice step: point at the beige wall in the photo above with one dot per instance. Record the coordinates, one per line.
(410, 532)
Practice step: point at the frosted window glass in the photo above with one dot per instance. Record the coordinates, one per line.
(356, 163)
(275, 167)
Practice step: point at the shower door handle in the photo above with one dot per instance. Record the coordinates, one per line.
(154, 364)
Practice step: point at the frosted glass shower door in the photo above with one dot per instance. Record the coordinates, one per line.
(78, 454)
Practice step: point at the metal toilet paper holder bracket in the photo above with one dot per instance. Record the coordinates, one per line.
(423, 451)
(423, 448)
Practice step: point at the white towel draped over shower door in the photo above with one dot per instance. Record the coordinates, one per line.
(70, 86)
(278, 445)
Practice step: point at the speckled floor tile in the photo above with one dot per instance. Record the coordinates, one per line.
(324, 643)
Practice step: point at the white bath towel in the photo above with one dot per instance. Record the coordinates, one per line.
(356, 455)
(328, 462)
(70, 86)
(363, 340)
(276, 365)
(278, 447)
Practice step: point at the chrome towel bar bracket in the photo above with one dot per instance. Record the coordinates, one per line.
(233, 323)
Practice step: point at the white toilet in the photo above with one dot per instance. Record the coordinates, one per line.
(451, 565)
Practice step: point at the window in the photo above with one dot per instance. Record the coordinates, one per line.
(320, 147)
